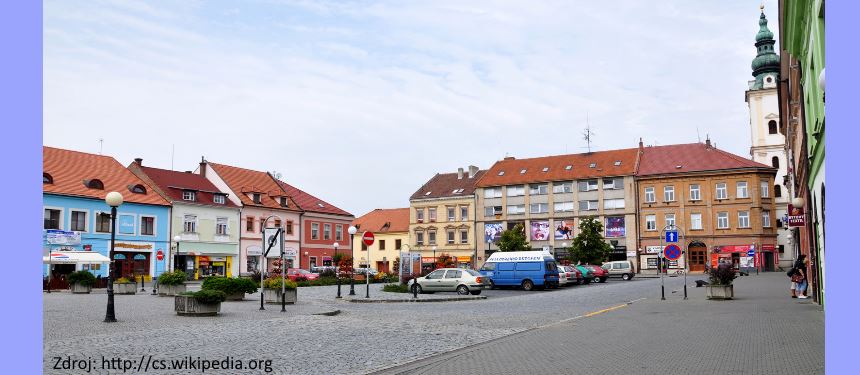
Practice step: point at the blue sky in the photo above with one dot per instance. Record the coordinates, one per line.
(361, 102)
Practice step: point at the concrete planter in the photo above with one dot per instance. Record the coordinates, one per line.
(274, 296)
(170, 290)
(721, 291)
(236, 297)
(124, 288)
(81, 289)
(189, 306)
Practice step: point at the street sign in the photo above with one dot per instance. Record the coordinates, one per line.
(159, 255)
(751, 253)
(672, 236)
(368, 238)
(672, 252)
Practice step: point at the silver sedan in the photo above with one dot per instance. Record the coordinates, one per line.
(462, 281)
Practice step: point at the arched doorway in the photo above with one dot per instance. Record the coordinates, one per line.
(698, 253)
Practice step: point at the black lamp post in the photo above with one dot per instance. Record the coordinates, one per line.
(113, 199)
(352, 231)
(336, 273)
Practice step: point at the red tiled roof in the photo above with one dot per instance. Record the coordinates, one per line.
(444, 185)
(309, 202)
(604, 166)
(692, 157)
(70, 168)
(242, 181)
(397, 220)
(173, 183)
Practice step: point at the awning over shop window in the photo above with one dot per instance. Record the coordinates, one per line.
(75, 257)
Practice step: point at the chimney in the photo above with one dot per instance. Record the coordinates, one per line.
(459, 173)
(708, 142)
(473, 171)
(138, 161)
(509, 158)
(203, 166)
(641, 145)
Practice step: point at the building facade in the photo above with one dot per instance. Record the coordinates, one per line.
(548, 195)
(204, 219)
(721, 204)
(391, 230)
(442, 218)
(768, 131)
(76, 217)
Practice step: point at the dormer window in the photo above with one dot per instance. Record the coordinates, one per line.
(592, 165)
(284, 201)
(256, 198)
(523, 171)
(427, 193)
(47, 179)
(546, 169)
(321, 205)
(569, 167)
(617, 163)
(94, 184)
(137, 189)
(501, 173)
(189, 195)
(219, 199)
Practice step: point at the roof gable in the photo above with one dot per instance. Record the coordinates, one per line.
(384, 220)
(448, 185)
(245, 181)
(691, 157)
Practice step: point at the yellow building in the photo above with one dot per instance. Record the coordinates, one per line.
(442, 218)
(391, 230)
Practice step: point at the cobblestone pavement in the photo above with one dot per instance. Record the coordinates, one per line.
(362, 338)
(761, 331)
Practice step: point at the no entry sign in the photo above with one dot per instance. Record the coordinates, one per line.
(672, 252)
(368, 238)
(159, 255)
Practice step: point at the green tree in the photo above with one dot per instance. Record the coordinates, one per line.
(514, 240)
(589, 245)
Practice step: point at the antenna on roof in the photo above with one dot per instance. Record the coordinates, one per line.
(101, 143)
(698, 137)
(587, 133)
(172, 151)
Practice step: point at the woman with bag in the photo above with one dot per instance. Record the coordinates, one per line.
(798, 278)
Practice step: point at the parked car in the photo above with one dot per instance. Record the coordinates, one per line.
(600, 274)
(363, 271)
(572, 276)
(321, 269)
(619, 268)
(577, 279)
(527, 269)
(295, 274)
(564, 275)
(587, 275)
(460, 280)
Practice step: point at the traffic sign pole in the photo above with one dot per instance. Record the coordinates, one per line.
(368, 239)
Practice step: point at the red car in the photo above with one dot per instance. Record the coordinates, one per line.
(600, 274)
(296, 274)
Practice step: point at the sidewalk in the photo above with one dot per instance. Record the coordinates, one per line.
(761, 331)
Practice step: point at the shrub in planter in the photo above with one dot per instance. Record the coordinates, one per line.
(328, 272)
(81, 281)
(202, 303)
(124, 286)
(721, 279)
(396, 288)
(235, 289)
(171, 283)
(272, 290)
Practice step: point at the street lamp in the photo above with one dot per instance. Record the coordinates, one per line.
(336, 274)
(113, 199)
(352, 231)
(434, 257)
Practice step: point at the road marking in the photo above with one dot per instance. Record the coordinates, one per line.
(605, 310)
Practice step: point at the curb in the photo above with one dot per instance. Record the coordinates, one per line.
(447, 299)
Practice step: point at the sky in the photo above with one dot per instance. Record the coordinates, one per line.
(361, 102)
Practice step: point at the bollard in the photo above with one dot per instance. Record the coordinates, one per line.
(414, 288)
(154, 286)
(141, 284)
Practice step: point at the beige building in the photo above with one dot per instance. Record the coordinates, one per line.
(549, 194)
(442, 218)
(390, 228)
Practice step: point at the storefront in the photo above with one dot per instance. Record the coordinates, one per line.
(200, 266)
(746, 257)
(132, 259)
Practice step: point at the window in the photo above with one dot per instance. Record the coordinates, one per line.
(103, 222)
(668, 193)
(743, 191)
(775, 162)
(539, 208)
(501, 173)
(722, 220)
(137, 189)
(452, 274)
(764, 189)
(219, 199)
(695, 192)
(695, 221)
(249, 224)
(431, 237)
(650, 222)
(284, 201)
(492, 210)
(289, 229)
(221, 226)
(363, 246)
(765, 219)
(495, 192)
(419, 238)
(94, 184)
(338, 232)
(670, 220)
(777, 191)
(277, 223)
(381, 244)
(613, 184)
(617, 163)
(464, 213)
(326, 232)
(147, 225)
(47, 179)
(649, 195)
(431, 214)
(52, 219)
(315, 231)
(516, 191)
(464, 236)
(256, 197)
(190, 224)
(771, 127)
(451, 214)
(79, 221)
(613, 204)
(592, 165)
(451, 237)
(563, 206)
(743, 219)
(722, 192)
(588, 205)
(397, 244)
(518, 209)
(541, 189)
(523, 171)
(589, 185)
(189, 196)
(562, 187)
(419, 215)
(568, 167)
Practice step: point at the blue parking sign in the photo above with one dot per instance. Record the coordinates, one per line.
(671, 236)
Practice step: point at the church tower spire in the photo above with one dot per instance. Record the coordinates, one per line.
(765, 66)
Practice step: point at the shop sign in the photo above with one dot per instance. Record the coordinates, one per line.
(795, 216)
(125, 246)
(631, 253)
(653, 249)
(218, 259)
(291, 252)
(652, 262)
(254, 250)
(62, 237)
(464, 259)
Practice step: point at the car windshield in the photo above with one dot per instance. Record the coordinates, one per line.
(489, 266)
(472, 272)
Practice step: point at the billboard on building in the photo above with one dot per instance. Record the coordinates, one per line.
(615, 226)
(540, 230)
(492, 232)
(564, 229)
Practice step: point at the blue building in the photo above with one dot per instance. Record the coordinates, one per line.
(77, 219)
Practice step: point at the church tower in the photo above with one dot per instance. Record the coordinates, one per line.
(767, 134)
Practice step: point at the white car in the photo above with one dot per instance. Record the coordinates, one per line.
(619, 268)
(461, 280)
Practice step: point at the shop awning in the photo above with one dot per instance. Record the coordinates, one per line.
(75, 257)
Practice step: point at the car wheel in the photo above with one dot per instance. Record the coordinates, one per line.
(462, 290)
(492, 285)
(528, 285)
(419, 288)
(475, 292)
(625, 276)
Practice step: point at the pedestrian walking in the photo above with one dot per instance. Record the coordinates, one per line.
(799, 281)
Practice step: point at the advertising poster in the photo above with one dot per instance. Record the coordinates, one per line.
(540, 230)
(564, 229)
(492, 232)
(615, 226)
